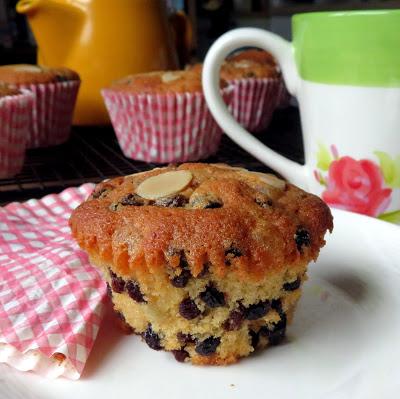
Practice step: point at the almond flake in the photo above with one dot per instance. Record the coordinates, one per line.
(271, 180)
(165, 184)
(170, 76)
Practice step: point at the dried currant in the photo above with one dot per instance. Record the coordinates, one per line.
(212, 297)
(132, 200)
(302, 238)
(276, 304)
(257, 310)
(180, 355)
(188, 309)
(176, 201)
(117, 283)
(293, 285)
(181, 280)
(183, 263)
(276, 333)
(231, 253)
(208, 346)
(185, 339)
(234, 320)
(255, 338)
(133, 289)
(213, 205)
(152, 339)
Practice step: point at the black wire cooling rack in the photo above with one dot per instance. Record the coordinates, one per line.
(93, 154)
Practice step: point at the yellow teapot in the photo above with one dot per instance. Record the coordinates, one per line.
(103, 40)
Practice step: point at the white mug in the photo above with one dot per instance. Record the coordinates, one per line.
(344, 69)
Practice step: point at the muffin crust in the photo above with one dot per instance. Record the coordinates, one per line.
(162, 82)
(34, 74)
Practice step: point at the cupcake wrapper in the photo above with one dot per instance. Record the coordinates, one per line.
(52, 114)
(254, 101)
(164, 127)
(15, 119)
(51, 298)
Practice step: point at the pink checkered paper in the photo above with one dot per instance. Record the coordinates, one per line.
(164, 127)
(255, 100)
(51, 298)
(15, 119)
(52, 114)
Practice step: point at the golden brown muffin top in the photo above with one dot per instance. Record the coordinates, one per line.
(217, 216)
(8, 90)
(242, 69)
(232, 70)
(260, 56)
(162, 82)
(35, 74)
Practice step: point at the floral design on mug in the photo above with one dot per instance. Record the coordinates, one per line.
(361, 186)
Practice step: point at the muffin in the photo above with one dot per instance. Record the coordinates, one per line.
(204, 261)
(55, 90)
(163, 116)
(15, 118)
(258, 87)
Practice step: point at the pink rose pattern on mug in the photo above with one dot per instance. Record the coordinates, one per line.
(361, 186)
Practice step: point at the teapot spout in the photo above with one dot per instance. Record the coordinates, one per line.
(56, 25)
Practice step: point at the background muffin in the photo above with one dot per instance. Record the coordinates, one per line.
(55, 91)
(258, 87)
(163, 116)
(15, 117)
(205, 261)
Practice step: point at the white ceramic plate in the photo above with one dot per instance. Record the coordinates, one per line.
(344, 343)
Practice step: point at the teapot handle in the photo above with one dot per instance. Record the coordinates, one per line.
(183, 35)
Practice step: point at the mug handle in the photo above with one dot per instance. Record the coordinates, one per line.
(283, 52)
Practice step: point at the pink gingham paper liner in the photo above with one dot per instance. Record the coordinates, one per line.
(51, 298)
(15, 119)
(164, 127)
(255, 100)
(52, 114)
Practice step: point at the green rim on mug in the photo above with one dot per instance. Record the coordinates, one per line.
(358, 48)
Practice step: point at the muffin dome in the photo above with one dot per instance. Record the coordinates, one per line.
(188, 81)
(202, 260)
(21, 74)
